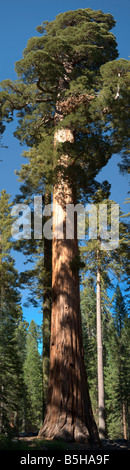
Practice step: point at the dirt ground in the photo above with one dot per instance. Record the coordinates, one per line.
(106, 444)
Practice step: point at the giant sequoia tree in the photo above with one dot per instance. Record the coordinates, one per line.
(67, 97)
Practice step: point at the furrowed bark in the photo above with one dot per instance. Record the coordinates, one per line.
(46, 308)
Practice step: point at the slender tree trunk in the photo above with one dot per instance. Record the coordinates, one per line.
(46, 308)
(68, 415)
(101, 398)
(124, 421)
(1, 409)
(128, 421)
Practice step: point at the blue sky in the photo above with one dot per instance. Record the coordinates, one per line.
(18, 20)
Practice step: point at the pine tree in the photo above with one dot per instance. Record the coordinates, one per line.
(33, 379)
(66, 92)
(38, 279)
(120, 316)
(10, 314)
(88, 311)
(103, 264)
(22, 402)
(117, 370)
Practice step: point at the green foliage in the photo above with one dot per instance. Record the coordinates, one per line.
(69, 77)
(112, 262)
(116, 340)
(88, 310)
(10, 315)
(114, 325)
(33, 379)
(17, 359)
(117, 370)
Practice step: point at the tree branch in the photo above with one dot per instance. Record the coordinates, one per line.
(43, 90)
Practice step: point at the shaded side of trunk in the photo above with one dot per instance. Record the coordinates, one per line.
(47, 296)
(69, 415)
(101, 398)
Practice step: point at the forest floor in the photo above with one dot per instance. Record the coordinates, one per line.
(52, 444)
(34, 443)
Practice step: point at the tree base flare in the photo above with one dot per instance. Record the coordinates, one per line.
(67, 432)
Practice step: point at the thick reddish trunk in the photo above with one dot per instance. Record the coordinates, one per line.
(47, 294)
(69, 414)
